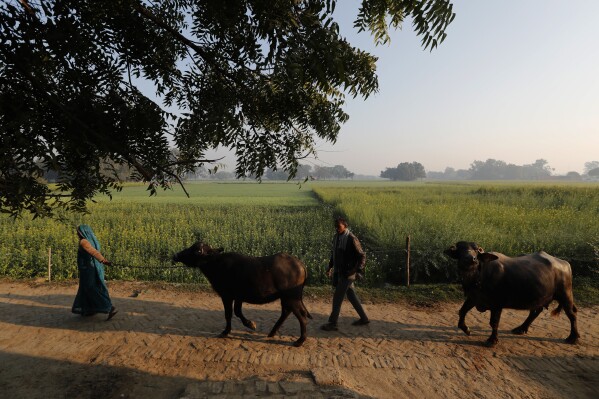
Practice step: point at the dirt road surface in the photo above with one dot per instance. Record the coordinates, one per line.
(163, 344)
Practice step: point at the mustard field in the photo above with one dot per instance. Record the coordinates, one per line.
(139, 233)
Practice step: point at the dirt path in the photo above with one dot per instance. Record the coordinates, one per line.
(163, 344)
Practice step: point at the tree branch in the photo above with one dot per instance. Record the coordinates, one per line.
(175, 33)
(27, 7)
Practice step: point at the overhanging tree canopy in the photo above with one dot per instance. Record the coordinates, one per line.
(261, 77)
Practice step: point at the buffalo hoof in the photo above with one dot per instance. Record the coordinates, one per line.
(299, 342)
(491, 342)
(572, 339)
(465, 329)
(519, 331)
(250, 324)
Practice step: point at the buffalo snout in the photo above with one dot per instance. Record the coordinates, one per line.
(469, 259)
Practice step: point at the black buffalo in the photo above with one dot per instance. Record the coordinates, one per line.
(240, 278)
(493, 281)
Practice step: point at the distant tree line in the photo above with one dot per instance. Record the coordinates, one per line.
(591, 168)
(337, 172)
(125, 173)
(316, 172)
(493, 169)
(121, 172)
(405, 171)
(490, 169)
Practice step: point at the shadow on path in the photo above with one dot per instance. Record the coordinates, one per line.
(40, 378)
(157, 317)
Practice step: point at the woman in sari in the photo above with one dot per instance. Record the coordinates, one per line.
(92, 295)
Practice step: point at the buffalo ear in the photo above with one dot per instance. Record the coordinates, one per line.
(487, 257)
(204, 249)
(451, 251)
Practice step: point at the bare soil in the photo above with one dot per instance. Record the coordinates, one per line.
(163, 344)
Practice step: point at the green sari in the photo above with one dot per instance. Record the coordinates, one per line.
(92, 295)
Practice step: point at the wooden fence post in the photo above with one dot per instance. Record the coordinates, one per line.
(49, 264)
(407, 261)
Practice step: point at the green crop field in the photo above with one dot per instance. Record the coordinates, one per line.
(225, 193)
(513, 218)
(140, 233)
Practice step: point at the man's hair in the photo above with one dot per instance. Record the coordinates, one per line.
(341, 220)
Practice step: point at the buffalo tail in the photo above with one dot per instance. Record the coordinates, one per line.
(556, 311)
(308, 315)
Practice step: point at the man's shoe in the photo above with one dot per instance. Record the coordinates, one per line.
(329, 327)
(360, 322)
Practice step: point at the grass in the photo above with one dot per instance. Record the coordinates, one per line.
(562, 220)
(586, 291)
(260, 219)
(222, 193)
(140, 238)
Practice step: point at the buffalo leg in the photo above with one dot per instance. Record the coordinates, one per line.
(571, 311)
(468, 304)
(248, 323)
(523, 329)
(284, 313)
(297, 310)
(228, 304)
(495, 316)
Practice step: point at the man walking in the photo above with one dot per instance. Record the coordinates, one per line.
(346, 265)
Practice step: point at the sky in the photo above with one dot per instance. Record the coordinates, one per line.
(514, 81)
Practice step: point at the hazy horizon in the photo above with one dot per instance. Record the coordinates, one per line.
(514, 81)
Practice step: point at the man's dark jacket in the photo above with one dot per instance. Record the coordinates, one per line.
(349, 260)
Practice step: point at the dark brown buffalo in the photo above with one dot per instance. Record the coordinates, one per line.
(493, 281)
(240, 278)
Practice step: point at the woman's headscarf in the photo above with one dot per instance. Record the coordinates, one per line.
(87, 233)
